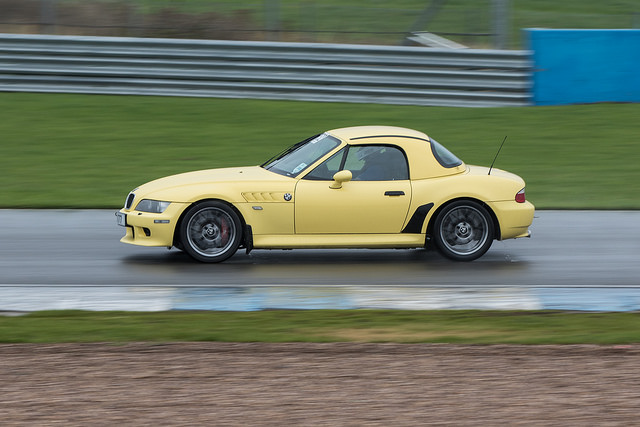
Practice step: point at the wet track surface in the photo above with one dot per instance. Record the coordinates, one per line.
(568, 249)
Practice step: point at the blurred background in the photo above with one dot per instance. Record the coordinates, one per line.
(228, 103)
(474, 23)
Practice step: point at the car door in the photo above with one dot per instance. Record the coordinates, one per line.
(375, 201)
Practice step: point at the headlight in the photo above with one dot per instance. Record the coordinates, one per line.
(153, 206)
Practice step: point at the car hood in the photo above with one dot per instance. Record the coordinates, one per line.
(208, 177)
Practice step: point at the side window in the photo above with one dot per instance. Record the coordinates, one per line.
(325, 170)
(376, 163)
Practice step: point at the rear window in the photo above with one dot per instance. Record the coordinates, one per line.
(445, 157)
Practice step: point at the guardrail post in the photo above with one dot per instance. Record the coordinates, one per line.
(500, 23)
(47, 16)
(135, 19)
(272, 19)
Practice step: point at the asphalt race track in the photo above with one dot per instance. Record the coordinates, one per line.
(569, 249)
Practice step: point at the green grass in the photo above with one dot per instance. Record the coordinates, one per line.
(385, 22)
(82, 151)
(461, 327)
(332, 18)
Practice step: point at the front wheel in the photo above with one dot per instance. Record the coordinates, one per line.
(210, 231)
(463, 231)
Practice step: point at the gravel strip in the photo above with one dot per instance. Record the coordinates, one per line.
(318, 384)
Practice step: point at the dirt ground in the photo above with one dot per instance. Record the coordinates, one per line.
(318, 384)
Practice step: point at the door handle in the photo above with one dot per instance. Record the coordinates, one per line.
(394, 193)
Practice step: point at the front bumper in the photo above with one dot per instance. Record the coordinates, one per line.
(151, 229)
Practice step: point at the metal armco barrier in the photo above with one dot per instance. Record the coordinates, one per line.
(265, 70)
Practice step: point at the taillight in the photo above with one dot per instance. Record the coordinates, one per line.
(520, 197)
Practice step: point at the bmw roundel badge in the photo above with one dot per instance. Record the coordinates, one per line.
(287, 197)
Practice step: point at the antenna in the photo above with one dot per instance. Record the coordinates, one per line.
(494, 159)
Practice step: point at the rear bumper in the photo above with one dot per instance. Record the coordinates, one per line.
(514, 218)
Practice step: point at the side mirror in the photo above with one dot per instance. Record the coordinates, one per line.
(339, 178)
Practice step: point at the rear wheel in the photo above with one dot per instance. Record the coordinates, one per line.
(210, 231)
(463, 231)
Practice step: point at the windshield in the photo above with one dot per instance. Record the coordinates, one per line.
(298, 157)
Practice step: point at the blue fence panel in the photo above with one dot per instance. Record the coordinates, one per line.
(585, 66)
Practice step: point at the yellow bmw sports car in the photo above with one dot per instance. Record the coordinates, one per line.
(356, 187)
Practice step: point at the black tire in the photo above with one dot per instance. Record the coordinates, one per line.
(210, 231)
(463, 230)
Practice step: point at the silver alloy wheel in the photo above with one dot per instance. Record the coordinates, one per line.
(464, 230)
(211, 232)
